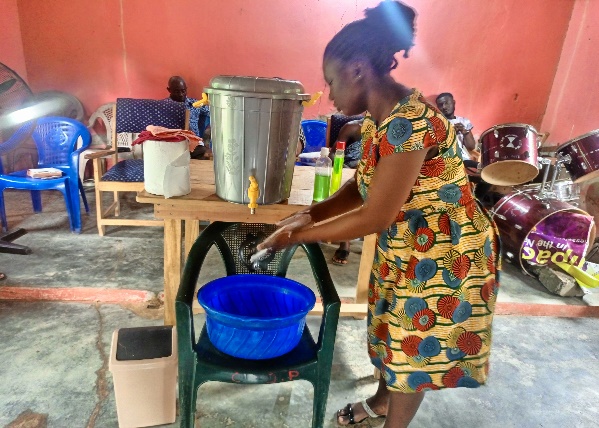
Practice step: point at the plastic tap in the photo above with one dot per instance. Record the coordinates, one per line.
(202, 102)
(313, 98)
(253, 193)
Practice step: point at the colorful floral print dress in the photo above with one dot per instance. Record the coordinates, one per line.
(435, 273)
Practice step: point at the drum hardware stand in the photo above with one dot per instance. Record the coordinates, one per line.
(544, 162)
(559, 163)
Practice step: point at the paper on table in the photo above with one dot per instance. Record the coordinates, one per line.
(176, 177)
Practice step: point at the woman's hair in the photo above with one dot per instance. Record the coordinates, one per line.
(387, 29)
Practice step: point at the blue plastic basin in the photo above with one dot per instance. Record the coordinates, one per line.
(255, 316)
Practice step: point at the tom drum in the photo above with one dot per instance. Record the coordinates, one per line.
(509, 154)
(584, 156)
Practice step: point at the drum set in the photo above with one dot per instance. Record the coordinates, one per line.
(541, 213)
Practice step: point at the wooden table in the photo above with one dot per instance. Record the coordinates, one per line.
(203, 204)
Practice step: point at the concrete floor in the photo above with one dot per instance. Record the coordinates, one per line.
(54, 371)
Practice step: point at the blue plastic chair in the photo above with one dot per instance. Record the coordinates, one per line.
(316, 135)
(56, 140)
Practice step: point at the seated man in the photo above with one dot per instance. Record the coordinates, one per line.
(467, 144)
(463, 127)
(199, 117)
(352, 135)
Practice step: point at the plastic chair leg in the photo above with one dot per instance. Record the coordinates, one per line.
(3, 212)
(73, 210)
(82, 191)
(188, 397)
(36, 200)
(319, 405)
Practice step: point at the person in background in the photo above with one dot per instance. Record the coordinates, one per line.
(351, 134)
(199, 117)
(463, 127)
(435, 272)
(301, 143)
(470, 155)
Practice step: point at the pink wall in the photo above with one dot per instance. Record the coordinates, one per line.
(498, 58)
(572, 108)
(10, 34)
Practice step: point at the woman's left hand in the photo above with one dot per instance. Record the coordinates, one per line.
(279, 239)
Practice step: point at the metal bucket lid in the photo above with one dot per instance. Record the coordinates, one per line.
(257, 87)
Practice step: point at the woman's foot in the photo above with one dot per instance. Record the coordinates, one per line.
(341, 254)
(358, 412)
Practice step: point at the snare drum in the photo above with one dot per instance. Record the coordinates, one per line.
(566, 191)
(584, 156)
(509, 154)
(534, 230)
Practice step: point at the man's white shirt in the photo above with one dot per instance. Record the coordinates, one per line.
(468, 125)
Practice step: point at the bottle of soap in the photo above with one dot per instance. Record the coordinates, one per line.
(322, 178)
(337, 167)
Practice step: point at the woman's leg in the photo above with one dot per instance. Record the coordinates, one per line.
(402, 408)
(378, 403)
(342, 253)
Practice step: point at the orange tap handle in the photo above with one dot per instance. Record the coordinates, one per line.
(253, 193)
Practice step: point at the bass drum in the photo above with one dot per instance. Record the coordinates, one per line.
(509, 154)
(589, 198)
(536, 230)
(584, 155)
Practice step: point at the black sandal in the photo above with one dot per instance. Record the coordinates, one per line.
(340, 257)
(349, 414)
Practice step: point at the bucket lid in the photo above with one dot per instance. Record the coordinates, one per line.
(258, 87)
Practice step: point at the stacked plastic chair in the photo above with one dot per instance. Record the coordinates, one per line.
(57, 141)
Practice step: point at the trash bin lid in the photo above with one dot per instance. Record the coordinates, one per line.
(257, 87)
(144, 343)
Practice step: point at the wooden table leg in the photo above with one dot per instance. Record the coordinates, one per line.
(368, 249)
(192, 231)
(172, 267)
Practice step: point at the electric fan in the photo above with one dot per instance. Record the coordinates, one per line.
(14, 92)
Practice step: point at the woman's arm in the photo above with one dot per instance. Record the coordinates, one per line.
(347, 198)
(393, 180)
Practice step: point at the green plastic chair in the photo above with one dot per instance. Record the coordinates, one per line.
(201, 362)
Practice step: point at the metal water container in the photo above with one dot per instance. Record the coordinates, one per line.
(254, 124)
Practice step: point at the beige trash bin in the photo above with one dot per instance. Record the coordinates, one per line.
(143, 363)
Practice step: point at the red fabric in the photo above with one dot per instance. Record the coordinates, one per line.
(158, 133)
(147, 135)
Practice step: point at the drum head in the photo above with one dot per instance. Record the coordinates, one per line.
(509, 172)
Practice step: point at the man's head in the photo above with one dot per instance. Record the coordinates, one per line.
(177, 88)
(446, 104)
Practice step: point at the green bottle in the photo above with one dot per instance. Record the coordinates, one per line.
(322, 177)
(337, 167)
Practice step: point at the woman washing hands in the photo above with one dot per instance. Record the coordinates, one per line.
(435, 271)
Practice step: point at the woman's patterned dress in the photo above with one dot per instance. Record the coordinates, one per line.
(436, 269)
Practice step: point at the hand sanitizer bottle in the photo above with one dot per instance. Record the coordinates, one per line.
(337, 167)
(322, 178)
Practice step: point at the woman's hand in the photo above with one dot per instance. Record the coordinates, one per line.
(298, 220)
(281, 238)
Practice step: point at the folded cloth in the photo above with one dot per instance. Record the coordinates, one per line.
(159, 133)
